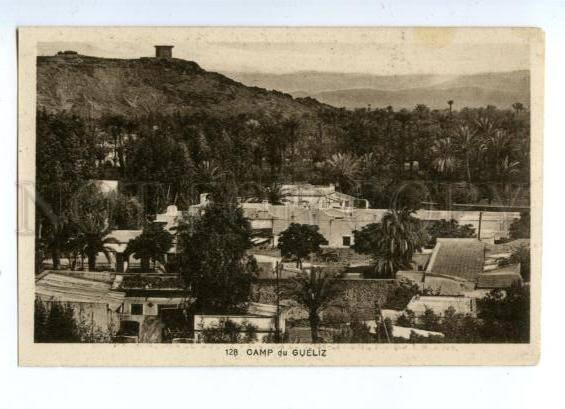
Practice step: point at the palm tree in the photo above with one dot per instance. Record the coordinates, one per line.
(445, 159)
(207, 175)
(450, 103)
(506, 169)
(399, 236)
(151, 245)
(345, 168)
(315, 292)
(422, 111)
(518, 107)
(91, 243)
(53, 235)
(497, 145)
(466, 139)
(90, 215)
(272, 193)
(368, 163)
(485, 126)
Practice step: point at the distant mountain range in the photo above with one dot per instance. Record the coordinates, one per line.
(501, 89)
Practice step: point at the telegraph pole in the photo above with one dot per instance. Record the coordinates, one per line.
(277, 322)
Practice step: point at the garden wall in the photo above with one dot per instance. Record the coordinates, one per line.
(356, 301)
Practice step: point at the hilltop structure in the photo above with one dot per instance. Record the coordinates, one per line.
(164, 51)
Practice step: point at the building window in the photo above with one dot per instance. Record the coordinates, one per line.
(346, 241)
(136, 309)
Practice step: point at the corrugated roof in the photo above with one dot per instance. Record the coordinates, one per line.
(463, 258)
(63, 287)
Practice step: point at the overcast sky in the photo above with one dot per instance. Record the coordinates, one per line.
(324, 56)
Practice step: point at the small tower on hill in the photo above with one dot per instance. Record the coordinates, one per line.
(164, 51)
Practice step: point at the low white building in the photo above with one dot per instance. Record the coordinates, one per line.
(439, 304)
(263, 317)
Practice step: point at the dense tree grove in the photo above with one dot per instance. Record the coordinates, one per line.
(461, 156)
(395, 159)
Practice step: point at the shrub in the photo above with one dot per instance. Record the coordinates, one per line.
(448, 229)
(230, 332)
(407, 319)
(520, 228)
(400, 294)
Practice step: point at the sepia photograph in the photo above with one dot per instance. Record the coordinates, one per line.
(278, 196)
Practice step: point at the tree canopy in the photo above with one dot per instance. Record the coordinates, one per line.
(392, 242)
(299, 241)
(152, 244)
(448, 229)
(213, 261)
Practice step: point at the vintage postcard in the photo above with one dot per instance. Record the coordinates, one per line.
(279, 196)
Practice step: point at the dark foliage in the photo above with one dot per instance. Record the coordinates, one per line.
(229, 332)
(314, 291)
(392, 242)
(55, 323)
(520, 228)
(522, 255)
(299, 241)
(448, 229)
(151, 245)
(212, 259)
(400, 294)
(506, 315)
(503, 317)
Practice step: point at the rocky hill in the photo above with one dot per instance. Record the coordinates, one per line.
(91, 86)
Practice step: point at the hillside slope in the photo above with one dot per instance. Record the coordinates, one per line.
(91, 86)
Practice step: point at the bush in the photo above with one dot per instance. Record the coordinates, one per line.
(355, 333)
(448, 229)
(520, 228)
(407, 319)
(400, 294)
(229, 332)
(505, 315)
(55, 323)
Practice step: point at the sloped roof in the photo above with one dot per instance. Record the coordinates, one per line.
(63, 287)
(463, 258)
(502, 277)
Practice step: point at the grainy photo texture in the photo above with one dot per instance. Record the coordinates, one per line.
(299, 196)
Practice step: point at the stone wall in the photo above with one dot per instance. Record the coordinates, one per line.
(357, 299)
